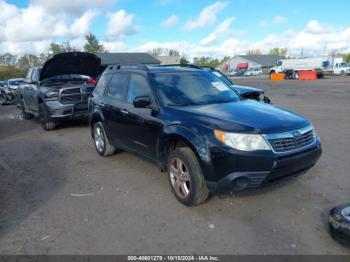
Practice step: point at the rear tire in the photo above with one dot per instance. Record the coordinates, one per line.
(186, 177)
(101, 141)
(45, 121)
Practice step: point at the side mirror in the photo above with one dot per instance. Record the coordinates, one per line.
(266, 100)
(142, 102)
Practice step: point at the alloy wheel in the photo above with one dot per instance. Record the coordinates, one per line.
(346, 213)
(99, 139)
(180, 178)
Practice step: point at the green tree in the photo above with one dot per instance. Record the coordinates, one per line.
(206, 61)
(92, 44)
(173, 52)
(26, 61)
(56, 48)
(156, 51)
(254, 52)
(347, 57)
(184, 60)
(8, 59)
(7, 72)
(226, 58)
(278, 51)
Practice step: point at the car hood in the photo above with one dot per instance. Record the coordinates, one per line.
(246, 116)
(79, 63)
(246, 89)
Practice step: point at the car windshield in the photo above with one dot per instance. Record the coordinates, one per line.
(65, 78)
(193, 88)
(15, 82)
(222, 77)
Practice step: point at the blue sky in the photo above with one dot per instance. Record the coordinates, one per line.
(252, 24)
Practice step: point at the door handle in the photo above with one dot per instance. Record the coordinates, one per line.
(124, 111)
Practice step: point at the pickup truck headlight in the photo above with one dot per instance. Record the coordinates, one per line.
(51, 94)
(243, 142)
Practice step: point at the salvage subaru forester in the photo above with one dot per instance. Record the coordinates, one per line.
(196, 128)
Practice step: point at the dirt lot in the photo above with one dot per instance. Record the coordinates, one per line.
(128, 207)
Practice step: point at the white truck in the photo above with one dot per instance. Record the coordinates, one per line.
(322, 64)
(341, 69)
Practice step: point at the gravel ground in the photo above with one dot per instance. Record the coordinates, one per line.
(57, 196)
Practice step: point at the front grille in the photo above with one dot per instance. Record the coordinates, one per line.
(291, 143)
(75, 94)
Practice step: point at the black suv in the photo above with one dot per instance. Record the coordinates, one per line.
(198, 130)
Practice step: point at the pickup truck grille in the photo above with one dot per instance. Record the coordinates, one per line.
(75, 94)
(296, 141)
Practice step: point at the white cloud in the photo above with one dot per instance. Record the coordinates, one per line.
(171, 21)
(115, 46)
(207, 16)
(223, 30)
(33, 24)
(70, 6)
(25, 47)
(280, 20)
(120, 24)
(263, 23)
(315, 27)
(81, 25)
(312, 42)
(7, 11)
(31, 29)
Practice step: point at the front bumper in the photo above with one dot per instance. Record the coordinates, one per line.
(282, 167)
(58, 110)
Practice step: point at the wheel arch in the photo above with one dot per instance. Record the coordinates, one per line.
(94, 117)
(175, 136)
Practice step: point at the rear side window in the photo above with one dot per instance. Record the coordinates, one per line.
(138, 86)
(118, 85)
(102, 84)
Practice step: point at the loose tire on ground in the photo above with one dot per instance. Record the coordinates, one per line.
(45, 121)
(339, 224)
(101, 141)
(193, 189)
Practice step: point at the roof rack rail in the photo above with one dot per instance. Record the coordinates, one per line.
(127, 66)
(188, 65)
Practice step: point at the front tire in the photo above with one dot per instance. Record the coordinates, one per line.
(45, 121)
(101, 141)
(186, 177)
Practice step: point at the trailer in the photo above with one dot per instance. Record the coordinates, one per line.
(291, 67)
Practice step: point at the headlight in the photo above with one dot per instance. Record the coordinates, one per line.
(51, 94)
(243, 142)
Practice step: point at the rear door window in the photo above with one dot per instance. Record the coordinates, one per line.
(118, 86)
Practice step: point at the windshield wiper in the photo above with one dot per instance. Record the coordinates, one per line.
(222, 101)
